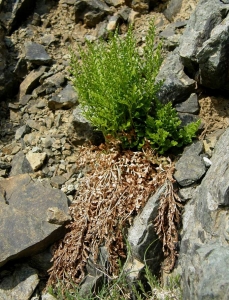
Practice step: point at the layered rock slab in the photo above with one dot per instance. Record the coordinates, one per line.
(204, 253)
(24, 209)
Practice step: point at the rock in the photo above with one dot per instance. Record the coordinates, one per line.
(65, 100)
(212, 57)
(191, 105)
(141, 6)
(36, 54)
(36, 160)
(90, 284)
(173, 8)
(48, 297)
(57, 216)
(33, 124)
(134, 269)
(41, 261)
(204, 250)
(187, 118)
(186, 194)
(13, 13)
(141, 234)
(91, 12)
(83, 128)
(24, 230)
(113, 23)
(48, 39)
(115, 3)
(30, 82)
(124, 13)
(190, 168)
(208, 14)
(177, 86)
(58, 181)
(20, 284)
(20, 132)
(20, 165)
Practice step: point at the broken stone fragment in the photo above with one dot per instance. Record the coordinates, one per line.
(36, 54)
(36, 160)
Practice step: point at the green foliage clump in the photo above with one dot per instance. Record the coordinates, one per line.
(117, 90)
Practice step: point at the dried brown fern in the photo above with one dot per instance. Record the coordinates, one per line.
(110, 194)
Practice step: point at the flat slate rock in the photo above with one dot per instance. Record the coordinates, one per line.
(36, 53)
(24, 226)
(20, 284)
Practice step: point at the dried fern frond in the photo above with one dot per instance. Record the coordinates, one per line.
(115, 187)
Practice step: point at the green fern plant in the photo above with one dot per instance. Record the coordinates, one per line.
(117, 90)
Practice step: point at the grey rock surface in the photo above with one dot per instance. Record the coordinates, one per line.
(204, 252)
(91, 12)
(20, 165)
(204, 44)
(190, 168)
(84, 129)
(24, 229)
(141, 234)
(36, 54)
(12, 13)
(20, 284)
(172, 9)
(66, 99)
(177, 86)
(191, 105)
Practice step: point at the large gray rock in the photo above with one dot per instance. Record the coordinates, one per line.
(13, 13)
(177, 86)
(204, 44)
(204, 254)
(20, 284)
(142, 236)
(24, 210)
(212, 57)
(91, 12)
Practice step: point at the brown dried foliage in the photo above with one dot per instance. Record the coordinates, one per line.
(115, 187)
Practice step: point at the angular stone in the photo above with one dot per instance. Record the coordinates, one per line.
(20, 132)
(141, 6)
(141, 234)
(57, 216)
(91, 12)
(188, 118)
(212, 57)
(115, 3)
(48, 39)
(13, 13)
(84, 129)
(58, 181)
(36, 53)
(30, 82)
(33, 124)
(190, 168)
(177, 86)
(191, 105)
(172, 9)
(65, 100)
(24, 230)
(113, 23)
(20, 164)
(36, 160)
(19, 285)
(207, 15)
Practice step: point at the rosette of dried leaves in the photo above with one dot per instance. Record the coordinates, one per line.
(113, 190)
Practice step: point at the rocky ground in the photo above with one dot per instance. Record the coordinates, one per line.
(41, 126)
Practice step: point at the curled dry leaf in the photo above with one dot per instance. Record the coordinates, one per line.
(111, 193)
